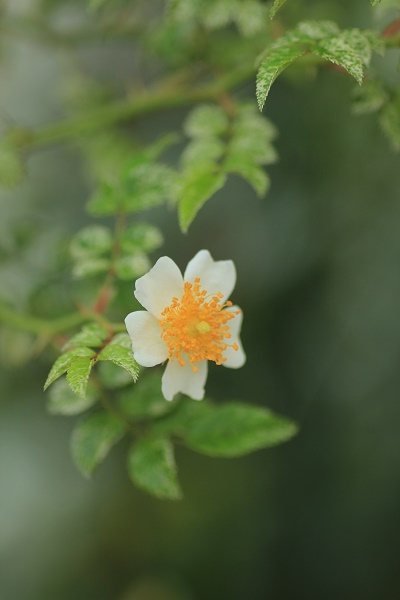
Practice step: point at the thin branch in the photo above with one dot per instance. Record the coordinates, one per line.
(26, 322)
(161, 98)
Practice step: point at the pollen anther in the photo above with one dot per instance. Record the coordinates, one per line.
(197, 325)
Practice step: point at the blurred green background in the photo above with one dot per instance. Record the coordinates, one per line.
(318, 280)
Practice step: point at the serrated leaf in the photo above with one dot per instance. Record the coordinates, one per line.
(197, 188)
(93, 438)
(342, 50)
(275, 7)
(92, 241)
(141, 236)
(92, 335)
(63, 401)
(61, 365)
(145, 400)
(273, 62)
(206, 120)
(351, 49)
(152, 467)
(129, 267)
(119, 351)
(11, 167)
(78, 372)
(90, 266)
(236, 429)
(390, 123)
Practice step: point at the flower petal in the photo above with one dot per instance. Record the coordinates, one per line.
(148, 347)
(156, 289)
(183, 379)
(215, 276)
(235, 358)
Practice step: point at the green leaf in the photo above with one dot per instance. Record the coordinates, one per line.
(206, 120)
(93, 438)
(145, 400)
(90, 266)
(197, 187)
(317, 30)
(11, 167)
(61, 365)
(375, 2)
(129, 267)
(236, 429)
(141, 236)
(390, 123)
(250, 17)
(273, 62)
(92, 241)
(349, 49)
(252, 173)
(78, 372)
(63, 401)
(178, 421)
(119, 351)
(251, 145)
(275, 7)
(141, 184)
(112, 376)
(105, 200)
(248, 121)
(92, 335)
(147, 185)
(152, 467)
(202, 152)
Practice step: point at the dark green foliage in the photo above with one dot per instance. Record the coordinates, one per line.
(93, 438)
(152, 467)
(145, 400)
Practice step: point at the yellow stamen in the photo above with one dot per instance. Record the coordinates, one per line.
(197, 326)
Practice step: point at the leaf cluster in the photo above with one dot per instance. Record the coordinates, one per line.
(222, 142)
(350, 49)
(229, 430)
(96, 250)
(84, 350)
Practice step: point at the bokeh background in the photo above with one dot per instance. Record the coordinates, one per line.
(318, 266)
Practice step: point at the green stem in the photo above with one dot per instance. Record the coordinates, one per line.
(33, 324)
(161, 98)
(26, 322)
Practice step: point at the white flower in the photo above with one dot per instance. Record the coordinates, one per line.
(188, 321)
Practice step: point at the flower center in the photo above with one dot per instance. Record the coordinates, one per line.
(196, 325)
